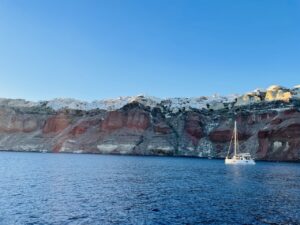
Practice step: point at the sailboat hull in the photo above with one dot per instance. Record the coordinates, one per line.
(239, 161)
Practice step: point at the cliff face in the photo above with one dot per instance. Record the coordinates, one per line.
(268, 121)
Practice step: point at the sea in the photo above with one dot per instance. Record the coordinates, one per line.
(37, 188)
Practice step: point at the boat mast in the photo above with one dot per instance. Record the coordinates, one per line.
(235, 137)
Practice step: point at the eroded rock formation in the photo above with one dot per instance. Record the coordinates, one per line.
(269, 126)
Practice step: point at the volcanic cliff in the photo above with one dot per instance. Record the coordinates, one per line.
(268, 121)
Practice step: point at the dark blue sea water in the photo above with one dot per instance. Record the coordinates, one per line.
(38, 188)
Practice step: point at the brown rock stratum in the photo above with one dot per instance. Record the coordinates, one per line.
(269, 129)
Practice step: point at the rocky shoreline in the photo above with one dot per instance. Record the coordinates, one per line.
(138, 155)
(269, 125)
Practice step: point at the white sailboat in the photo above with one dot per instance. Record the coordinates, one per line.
(238, 158)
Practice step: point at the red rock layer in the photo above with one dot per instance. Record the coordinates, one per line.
(56, 124)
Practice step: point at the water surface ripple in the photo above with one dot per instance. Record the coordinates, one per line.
(94, 189)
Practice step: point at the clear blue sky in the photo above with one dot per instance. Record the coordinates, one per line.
(93, 49)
